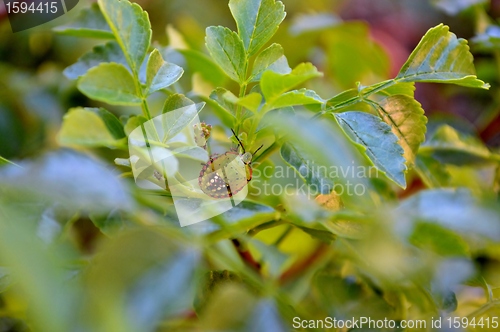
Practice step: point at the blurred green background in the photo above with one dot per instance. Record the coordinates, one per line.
(82, 249)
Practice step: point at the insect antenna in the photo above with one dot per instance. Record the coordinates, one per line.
(235, 136)
(260, 147)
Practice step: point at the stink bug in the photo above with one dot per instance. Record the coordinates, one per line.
(225, 175)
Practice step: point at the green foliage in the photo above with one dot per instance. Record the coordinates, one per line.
(273, 59)
(90, 23)
(257, 21)
(160, 74)
(131, 28)
(111, 83)
(227, 50)
(91, 127)
(407, 120)
(4, 161)
(107, 53)
(380, 143)
(441, 57)
(320, 233)
(449, 146)
(299, 161)
(353, 38)
(274, 85)
(454, 7)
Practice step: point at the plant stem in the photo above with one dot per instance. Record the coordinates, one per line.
(299, 267)
(145, 108)
(348, 102)
(283, 236)
(266, 225)
(245, 255)
(362, 97)
(484, 309)
(243, 91)
(138, 88)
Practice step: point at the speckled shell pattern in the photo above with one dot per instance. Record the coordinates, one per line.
(217, 180)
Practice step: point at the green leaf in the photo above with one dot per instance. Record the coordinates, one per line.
(407, 89)
(272, 58)
(226, 48)
(274, 84)
(453, 7)
(37, 270)
(90, 127)
(241, 218)
(113, 222)
(199, 62)
(489, 40)
(179, 120)
(251, 101)
(247, 212)
(109, 52)
(257, 21)
(114, 125)
(438, 239)
(302, 163)
(432, 172)
(89, 23)
(322, 235)
(176, 101)
(131, 28)
(111, 83)
(125, 162)
(393, 88)
(348, 100)
(442, 58)
(4, 161)
(347, 226)
(271, 257)
(380, 143)
(452, 147)
(5, 279)
(266, 317)
(134, 122)
(301, 209)
(210, 283)
(161, 74)
(296, 97)
(406, 118)
(163, 292)
(322, 148)
(225, 99)
(451, 209)
(71, 180)
(145, 276)
(370, 63)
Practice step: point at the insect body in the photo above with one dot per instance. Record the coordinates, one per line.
(225, 175)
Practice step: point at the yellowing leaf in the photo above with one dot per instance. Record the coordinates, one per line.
(406, 118)
(441, 57)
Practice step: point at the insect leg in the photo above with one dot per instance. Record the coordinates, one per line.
(228, 187)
